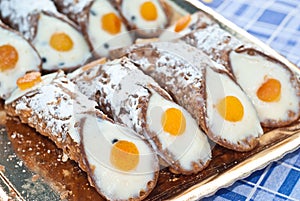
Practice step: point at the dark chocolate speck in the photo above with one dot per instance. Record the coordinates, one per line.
(106, 45)
(44, 60)
(114, 141)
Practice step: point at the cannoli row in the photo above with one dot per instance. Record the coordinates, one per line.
(273, 88)
(100, 22)
(185, 25)
(55, 37)
(218, 104)
(134, 99)
(105, 150)
(147, 18)
(17, 56)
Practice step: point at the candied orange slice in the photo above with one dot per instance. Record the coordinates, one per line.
(8, 57)
(61, 42)
(148, 11)
(111, 23)
(173, 121)
(231, 109)
(182, 23)
(269, 91)
(29, 80)
(124, 155)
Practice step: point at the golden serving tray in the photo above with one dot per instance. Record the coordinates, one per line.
(23, 179)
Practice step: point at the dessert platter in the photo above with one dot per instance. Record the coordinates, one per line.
(136, 100)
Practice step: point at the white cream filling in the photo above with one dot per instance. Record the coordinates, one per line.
(219, 86)
(131, 8)
(28, 61)
(98, 136)
(251, 71)
(47, 26)
(100, 38)
(189, 147)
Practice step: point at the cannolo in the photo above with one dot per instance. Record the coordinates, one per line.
(134, 99)
(17, 56)
(55, 37)
(99, 21)
(273, 88)
(220, 106)
(147, 18)
(185, 25)
(105, 150)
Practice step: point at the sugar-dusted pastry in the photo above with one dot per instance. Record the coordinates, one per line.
(220, 106)
(105, 150)
(273, 88)
(147, 18)
(17, 56)
(185, 25)
(215, 42)
(99, 21)
(55, 37)
(134, 99)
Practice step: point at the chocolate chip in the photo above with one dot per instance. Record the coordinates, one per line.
(106, 45)
(133, 18)
(114, 141)
(61, 63)
(44, 60)
(93, 12)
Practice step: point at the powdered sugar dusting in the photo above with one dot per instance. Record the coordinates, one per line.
(74, 6)
(74, 9)
(214, 41)
(122, 87)
(53, 107)
(20, 13)
(177, 67)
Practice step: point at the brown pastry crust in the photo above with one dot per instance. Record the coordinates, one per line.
(218, 43)
(181, 70)
(99, 83)
(34, 119)
(46, 113)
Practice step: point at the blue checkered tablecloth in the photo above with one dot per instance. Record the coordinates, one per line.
(277, 23)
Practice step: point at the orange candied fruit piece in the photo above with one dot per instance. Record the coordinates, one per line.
(124, 155)
(61, 42)
(148, 11)
(8, 57)
(182, 23)
(269, 91)
(173, 121)
(231, 109)
(29, 80)
(111, 23)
